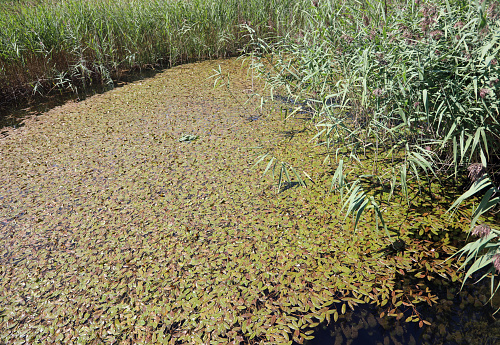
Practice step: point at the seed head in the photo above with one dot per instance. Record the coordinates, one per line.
(483, 92)
(496, 262)
(348, 39)
(428, 10)
(407, 34)
(424, 24)
(366, 21)
(429, 14)
(492, 11)
(270, 24)
(436, 34)
(484, 31)
(476, 170)
(482, 230)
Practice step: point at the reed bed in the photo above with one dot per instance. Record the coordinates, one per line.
(410, 93)
(67, 45)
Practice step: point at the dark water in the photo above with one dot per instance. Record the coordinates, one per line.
(459, 317)
(13, 114)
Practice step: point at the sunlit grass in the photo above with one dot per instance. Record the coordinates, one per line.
(69, 44)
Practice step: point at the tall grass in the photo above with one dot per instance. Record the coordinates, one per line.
(68, 44)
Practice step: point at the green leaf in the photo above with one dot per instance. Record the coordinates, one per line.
(188, 137)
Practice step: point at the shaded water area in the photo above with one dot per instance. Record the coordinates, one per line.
(13, 115)
(134, 216)
(458, 317)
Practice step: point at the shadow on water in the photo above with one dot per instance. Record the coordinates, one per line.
(460, 317)
(13, 115)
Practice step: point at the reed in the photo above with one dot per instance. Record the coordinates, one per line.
(58, 45)
(409, 91)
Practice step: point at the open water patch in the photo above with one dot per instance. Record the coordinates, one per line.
(459, 317)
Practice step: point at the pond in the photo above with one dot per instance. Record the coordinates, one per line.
(139, 215)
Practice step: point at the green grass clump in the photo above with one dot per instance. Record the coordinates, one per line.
(68, 44)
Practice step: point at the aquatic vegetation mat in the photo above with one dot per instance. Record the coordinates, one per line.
(115, 230)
